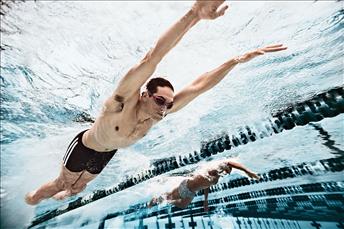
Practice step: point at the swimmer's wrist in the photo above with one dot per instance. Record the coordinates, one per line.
(232, 62)
(193, 14)
(237, 60)
(194, 10)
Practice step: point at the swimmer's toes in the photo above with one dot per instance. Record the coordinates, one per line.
(152, 202)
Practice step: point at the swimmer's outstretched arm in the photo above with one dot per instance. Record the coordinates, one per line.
(209, 79)
(239, 166)
(205, 204)
(131, 83)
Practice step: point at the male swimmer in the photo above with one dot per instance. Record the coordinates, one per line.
(183, 195)
(127, 114)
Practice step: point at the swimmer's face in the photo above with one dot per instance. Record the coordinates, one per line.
(227, 170)
(160, 102)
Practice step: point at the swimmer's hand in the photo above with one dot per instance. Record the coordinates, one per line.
(205, 205)
(155, 201)
(258, 52)
(252, 175)
(209, 9)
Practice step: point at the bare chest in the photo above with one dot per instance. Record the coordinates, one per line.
(113, 131)
(201, 181)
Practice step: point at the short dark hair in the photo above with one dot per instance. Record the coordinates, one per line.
(153, 84)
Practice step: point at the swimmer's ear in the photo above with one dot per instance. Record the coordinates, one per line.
(228, 170)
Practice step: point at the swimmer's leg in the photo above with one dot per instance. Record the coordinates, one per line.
(77, 187)
(156, 200)
(65, 181)
(63, 194)
(181, 203)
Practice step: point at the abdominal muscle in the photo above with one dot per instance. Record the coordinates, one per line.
(99, 143)
(199, 182)
(104, 137)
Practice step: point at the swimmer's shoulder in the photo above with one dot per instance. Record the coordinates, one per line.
(117, 104)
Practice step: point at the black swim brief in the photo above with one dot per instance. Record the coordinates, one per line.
(79, 158)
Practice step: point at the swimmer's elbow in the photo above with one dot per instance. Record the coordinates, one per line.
(202, 84)
(152, 58)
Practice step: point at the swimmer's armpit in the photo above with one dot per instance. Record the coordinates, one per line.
(119, 98)
(120, 105)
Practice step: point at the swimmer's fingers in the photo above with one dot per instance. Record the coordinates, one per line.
(206, 207)
(274, 48)
(209, 9)
(222, 11)
(253, 175)
(249, 56)
(258, 52)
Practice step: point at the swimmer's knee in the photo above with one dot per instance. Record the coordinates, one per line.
(77, 189)
(61, 184)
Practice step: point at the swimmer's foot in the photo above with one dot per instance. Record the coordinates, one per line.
(155, 201)
(30, 198)
(62, 195)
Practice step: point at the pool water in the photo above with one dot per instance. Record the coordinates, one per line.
(61, 60)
